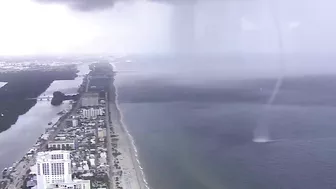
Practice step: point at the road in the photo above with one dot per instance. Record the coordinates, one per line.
(109, 142)
(24, 165)
(87, 78)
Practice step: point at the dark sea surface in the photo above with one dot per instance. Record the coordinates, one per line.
(194, 120)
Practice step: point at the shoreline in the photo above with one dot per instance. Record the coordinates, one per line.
(131, 174)
(54, 118)
(133, 149)
(68, 86)
(131, 160)
(16, 175)
(26, 161)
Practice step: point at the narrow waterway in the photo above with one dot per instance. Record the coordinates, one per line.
(20, 137)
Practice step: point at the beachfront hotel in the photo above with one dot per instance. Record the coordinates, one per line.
(53, 167)
(54, 171)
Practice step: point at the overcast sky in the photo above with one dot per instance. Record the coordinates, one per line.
(140, 26)
(41, 28)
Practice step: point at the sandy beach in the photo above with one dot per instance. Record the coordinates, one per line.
(130, 175)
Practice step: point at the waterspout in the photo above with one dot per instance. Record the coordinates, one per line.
(261, 133)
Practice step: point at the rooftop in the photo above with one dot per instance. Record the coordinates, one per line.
(90, 94)
(61, 141)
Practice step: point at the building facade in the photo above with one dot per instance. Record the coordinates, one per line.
(62, 145)
(101, 133)
(72, 122)
(90, 99)
(53, 167)
(92, 113)
(75, 184)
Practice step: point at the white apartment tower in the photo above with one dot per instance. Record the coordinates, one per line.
(53, 167)
(92, 113)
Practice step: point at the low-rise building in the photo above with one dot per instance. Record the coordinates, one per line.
(101, 133)
(72, 122)
(75, 184)
(62, 145)
(90, 99)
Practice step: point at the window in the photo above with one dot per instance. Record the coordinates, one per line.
(61, 168)
(57, 168)
(69, 168)
(45, 168)
(57, 156)
(38, 169)
(53, 169)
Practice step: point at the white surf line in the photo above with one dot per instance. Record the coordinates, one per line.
(301, 140)
(2, 84)
(288, 140)
(128, 133)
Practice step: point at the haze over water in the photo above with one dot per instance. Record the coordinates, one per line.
(193, 125)
(193, 117)
(194, 129)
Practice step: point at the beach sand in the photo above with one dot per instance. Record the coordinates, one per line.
(132, 176)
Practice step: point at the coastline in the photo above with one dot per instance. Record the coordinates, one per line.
(135, 177)
(30, 125)
(16, 175)
(132, 175)
(23, 165)
(28, 128)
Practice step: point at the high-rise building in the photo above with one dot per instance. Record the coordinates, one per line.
(90, 99)
(92, 112)
(53, 167)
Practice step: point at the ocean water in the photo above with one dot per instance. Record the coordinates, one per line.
(194, 127)
(193, 121)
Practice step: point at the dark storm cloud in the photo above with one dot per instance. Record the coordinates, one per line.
(90, 5)
(83, 5)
